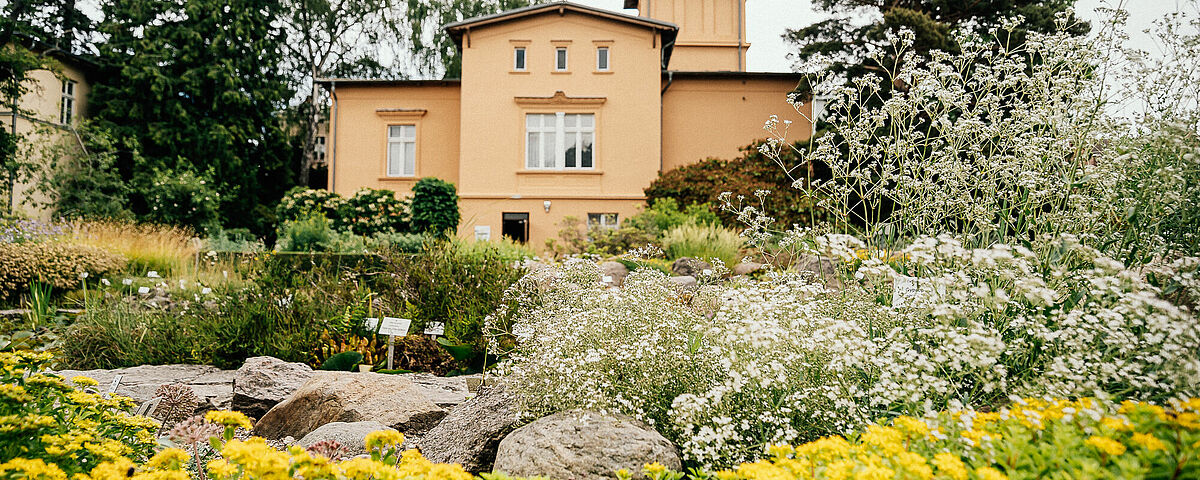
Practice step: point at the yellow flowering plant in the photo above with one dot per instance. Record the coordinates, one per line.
(50, 428)
(1086, 438)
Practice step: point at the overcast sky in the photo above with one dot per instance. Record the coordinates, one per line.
(766, 21)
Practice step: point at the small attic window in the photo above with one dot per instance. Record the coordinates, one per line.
(602, 59)
(560, 59)
(519, 59)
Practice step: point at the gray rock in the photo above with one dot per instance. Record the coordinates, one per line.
(822, 269)
(351, 435)
(583, 445)
(689, 267)
(392, 400)
(616, 270)
(470, 435)
(746, 268)
(443, 391)
(263, 382)
(212, 385)
(685, 281)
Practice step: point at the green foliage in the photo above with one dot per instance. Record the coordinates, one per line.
(645, 228)
(311, 233)
(183, 198)
(60, 265)
(703, 242)
(434, 207)
(342, 362)
(704, 182)
(457, 285)
(300, 201)
(44, 419)
(848, 44)
(199, 92)
(370, 212)
(435, 51)
(87, 184)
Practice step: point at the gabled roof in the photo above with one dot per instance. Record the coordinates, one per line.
(668, 29)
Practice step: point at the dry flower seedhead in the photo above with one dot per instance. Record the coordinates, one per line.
(194, 430)
(178, 403)
(331, 449)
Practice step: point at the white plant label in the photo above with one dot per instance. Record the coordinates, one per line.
(390, 325)
(606, 279)
(905, 290)
(435, 328)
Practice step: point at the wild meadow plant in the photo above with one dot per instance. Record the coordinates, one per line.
(995, 178)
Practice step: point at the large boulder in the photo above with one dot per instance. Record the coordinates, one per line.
(583, 445)
(470, 435)
(351, 435)
(690, 267)
(822, 269)
(446, 392)
(614, 273)
(213, 386)
(392, 400)
(263, 382)
(747, 268)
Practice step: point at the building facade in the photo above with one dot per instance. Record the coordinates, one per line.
(562, 110)
(45, 118)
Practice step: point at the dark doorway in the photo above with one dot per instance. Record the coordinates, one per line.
(516, 226)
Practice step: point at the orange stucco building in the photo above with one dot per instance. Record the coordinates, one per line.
(562, 110)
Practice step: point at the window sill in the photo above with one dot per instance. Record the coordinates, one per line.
(603, 72)
(519, 72)
(398, 179)
(560, 72)
(560, 172)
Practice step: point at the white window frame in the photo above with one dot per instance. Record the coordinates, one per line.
(566, 59)
(406, 168)
(559, 133)
(607, 66)
(602, 220)
(521, 54)
(66, 111)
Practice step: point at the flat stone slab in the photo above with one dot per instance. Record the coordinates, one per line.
(212, 385)
(442, 391)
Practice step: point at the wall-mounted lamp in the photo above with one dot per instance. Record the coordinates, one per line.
(546, 205)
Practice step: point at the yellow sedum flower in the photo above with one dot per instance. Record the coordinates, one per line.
(1105, 444)
(83, 381)
(1148, 441)
(31, 469)
(950, 466)
(168, 459)
(221, 469)
(229, 419)
(989, 473)
(382, 439)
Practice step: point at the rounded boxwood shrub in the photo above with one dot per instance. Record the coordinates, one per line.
(434, 206)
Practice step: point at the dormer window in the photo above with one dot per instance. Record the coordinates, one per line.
(602, 59)
(519, 59)
(560, 59)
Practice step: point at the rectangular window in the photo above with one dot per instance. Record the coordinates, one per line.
(519, 59)
(560, 59)
(602, 59)
(68, 102)
(602, 220)
(402, 151)
(319, 149)
(560, 140)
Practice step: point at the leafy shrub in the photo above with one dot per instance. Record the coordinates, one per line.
(373, 212)
(399, 242)
(49, 427)
(637, 231)
(233, 240)
(166, 249)
(506, 249)
(1077, 439)
(703, 242)
(183, 198)
(301, 201)
(702, 183)
(342, 362)
(58, 264)
(434, 207)
(311, 233)
(456, 285)
(725, 370)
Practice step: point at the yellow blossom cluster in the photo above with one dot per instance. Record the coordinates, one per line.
(1085, 438)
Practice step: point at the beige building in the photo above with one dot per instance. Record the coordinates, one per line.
(562, 110)
(47, 114)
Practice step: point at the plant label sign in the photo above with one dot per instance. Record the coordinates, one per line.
(390, 325)
(606, 279)
(435, 328)
(905, 290)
